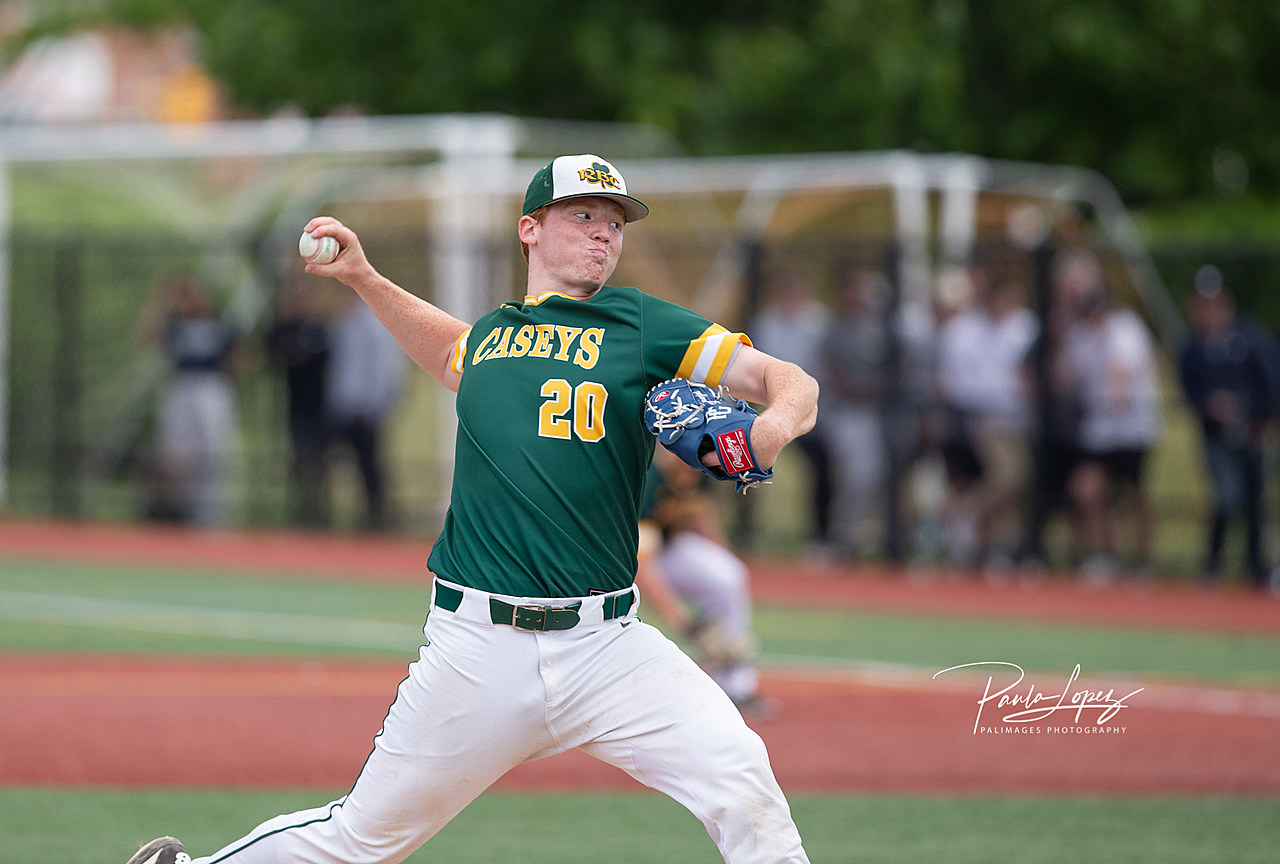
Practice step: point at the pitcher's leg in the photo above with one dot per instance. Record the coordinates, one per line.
(676, 731)
(469, 710)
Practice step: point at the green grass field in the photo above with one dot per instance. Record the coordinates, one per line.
(46, 607)
(59, 607)
(89, 827)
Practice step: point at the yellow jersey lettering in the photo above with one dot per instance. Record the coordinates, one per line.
(589, 347)
(500, 350)
(523, 341)
(482, 350)
(551, 341)
(542, 345)
(567, 336)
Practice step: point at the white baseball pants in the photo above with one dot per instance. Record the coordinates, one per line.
(484, 697)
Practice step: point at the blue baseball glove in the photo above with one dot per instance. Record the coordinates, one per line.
(691, 420)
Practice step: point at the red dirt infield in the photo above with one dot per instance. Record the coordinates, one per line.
(188, 722)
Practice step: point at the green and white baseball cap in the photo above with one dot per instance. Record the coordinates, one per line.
(579, 177)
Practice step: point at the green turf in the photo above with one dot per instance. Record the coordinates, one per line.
(61, 607)
(47, 607)
(87, 827)
(51, 607)
(934, 642)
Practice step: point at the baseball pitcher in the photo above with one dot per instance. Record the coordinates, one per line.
(533, 645)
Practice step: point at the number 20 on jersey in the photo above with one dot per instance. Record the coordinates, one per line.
(570, 411)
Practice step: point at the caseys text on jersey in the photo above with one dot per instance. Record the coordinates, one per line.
(552, 341)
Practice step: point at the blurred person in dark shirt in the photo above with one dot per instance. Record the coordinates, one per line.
(1231, 377)
(366, 378)
(792, 326)
(1059, 409)
(196, 414)
(853, 363)
(299, 345)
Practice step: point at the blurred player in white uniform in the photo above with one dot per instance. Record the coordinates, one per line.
(695, 582)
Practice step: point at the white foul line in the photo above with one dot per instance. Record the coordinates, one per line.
(193, 621)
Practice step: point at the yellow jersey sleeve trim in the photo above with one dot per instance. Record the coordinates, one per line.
(459, 358)
(708, 356)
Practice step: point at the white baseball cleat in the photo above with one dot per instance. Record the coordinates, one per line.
(162, 850)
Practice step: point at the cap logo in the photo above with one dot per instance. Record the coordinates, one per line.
(599, 173)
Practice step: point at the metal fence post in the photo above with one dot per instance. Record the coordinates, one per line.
(66, 482)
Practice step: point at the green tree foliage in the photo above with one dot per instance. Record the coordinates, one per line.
(1169, 98)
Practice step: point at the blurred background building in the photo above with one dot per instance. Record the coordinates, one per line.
(109, 75)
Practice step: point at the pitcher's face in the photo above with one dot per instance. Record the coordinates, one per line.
(576, 244)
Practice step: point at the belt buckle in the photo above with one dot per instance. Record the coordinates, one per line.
(532, 618)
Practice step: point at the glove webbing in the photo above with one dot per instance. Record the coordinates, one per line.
(679, 418)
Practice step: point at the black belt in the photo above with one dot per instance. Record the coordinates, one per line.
(532, 617)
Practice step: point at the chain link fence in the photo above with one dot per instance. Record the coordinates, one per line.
(83, 384)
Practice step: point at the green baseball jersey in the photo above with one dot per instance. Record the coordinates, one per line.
(552, 449)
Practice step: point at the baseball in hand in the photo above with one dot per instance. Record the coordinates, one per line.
(317, 250)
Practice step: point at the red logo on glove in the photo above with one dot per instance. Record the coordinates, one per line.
(733, 451)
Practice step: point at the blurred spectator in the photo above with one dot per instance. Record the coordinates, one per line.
(945, 462)
(791, 327)
(981, 379)
(367, 372)
(954, 309)
(1112, 357)
(1056, 435)
(196, 416)
(854, 357)
(298, 343)
(1228, 367)
(907, 406)
(685, 558)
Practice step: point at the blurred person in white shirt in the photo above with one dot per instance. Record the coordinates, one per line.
(981, 351)
(1112, 357)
